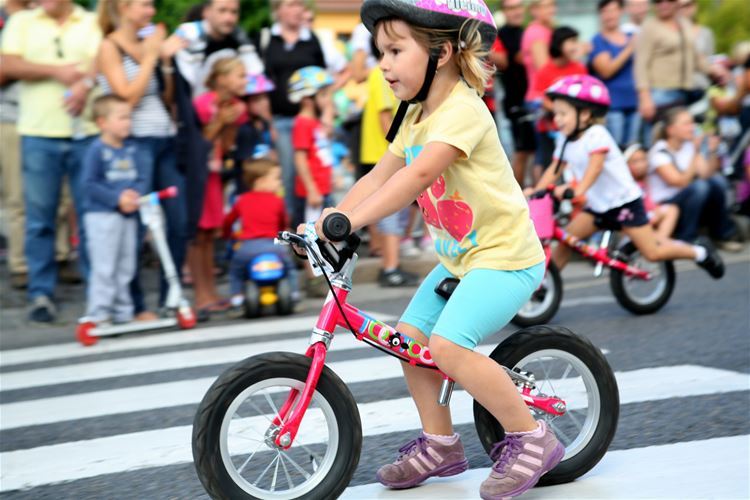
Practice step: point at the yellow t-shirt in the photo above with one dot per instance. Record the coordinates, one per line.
(476, 212)
(379, 98)
(38, 38)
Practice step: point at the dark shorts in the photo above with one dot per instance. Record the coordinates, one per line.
(522, 126)
(632, 214)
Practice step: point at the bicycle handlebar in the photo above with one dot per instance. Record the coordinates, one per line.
(568, 194)
(336, 227)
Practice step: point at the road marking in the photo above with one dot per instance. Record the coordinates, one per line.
(248, 329)
(666, 471)
(161, 447)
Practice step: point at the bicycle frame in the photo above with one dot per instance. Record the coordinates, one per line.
(378, 335)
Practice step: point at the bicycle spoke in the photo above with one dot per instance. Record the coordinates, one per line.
(275, 475)
(286, 473)
(308, 450)
(266, 470)
(261, 412)
(239, 471)
(548, 379)
(270, 402)
(296, 466)
(575, 420)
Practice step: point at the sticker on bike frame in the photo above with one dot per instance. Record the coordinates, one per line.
(403, 346)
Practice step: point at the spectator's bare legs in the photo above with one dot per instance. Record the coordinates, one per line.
(520, 161)
(391, 244)
(201, 262)
(582, 226)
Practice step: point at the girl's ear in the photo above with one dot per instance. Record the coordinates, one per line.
(446, 53)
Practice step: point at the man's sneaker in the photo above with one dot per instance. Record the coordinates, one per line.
(520, 460)
(420, 459)
(409, 249)
(42, 310)
(397, 277)
(713, 263)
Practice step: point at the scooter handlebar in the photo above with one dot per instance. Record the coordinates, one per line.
(170, 192)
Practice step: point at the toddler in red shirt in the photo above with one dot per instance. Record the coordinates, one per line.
(262, 215)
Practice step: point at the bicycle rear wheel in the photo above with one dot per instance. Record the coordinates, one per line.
(571, 368)
(233, 433)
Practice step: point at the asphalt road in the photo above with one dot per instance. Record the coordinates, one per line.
(111, 421)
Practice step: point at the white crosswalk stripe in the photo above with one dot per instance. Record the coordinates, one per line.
(168, 445)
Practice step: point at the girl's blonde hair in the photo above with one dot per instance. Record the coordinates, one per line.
(222, 67)
(108, 13)
(468, 52)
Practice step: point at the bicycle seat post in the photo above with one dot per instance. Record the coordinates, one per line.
(603, 244)
(446, 389)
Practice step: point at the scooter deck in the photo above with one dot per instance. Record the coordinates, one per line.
(135, 326)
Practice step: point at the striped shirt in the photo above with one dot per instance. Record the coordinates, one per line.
(150, 115)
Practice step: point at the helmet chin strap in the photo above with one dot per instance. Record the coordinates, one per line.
(432, 63)
(567, 139)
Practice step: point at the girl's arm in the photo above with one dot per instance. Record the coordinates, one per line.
(110, 64)
(405, 185)
(596, 165)
(549, 176)
(388, 165)
(539, 54)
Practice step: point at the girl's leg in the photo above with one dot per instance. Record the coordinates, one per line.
(646, 240)
(486, 381)
(669, 214)
(582, 226)
(424, 387)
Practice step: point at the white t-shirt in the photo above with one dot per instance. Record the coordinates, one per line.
(360, 40)
(660, 155)
(615, 186)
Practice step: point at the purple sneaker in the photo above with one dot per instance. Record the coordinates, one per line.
(422, 458)
(520, 460)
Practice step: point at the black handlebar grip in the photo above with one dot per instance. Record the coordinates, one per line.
(569, 194)
(336, 226)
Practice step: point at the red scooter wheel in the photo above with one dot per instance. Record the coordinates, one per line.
(83, 336)
(186, 318)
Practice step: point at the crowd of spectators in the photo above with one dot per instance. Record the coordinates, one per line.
(209, 98)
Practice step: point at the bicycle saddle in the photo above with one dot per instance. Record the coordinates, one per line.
(446, 287)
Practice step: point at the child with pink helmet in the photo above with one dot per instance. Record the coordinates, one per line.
(613, 199)
(447, 156)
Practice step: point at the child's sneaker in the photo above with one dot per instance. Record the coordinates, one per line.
(713, 263)
(520, 460)
(422, 458)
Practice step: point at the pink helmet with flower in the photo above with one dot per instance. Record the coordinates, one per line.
(582, 90)
(258, 84)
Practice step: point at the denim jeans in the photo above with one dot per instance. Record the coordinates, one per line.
(285, 150)
(162, 172)
(624, 125)
(46, 162)
(246, 252)
(704, 200)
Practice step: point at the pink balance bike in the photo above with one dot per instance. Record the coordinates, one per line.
(177, 310)
(284, 426)
(640, 286)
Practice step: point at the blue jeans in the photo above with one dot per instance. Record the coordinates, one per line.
(624, 125)
(46, 162)
(285, 150)
(704, 200)
(246, 252)
(161, 172)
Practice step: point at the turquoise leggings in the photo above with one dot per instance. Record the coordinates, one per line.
(484, 301)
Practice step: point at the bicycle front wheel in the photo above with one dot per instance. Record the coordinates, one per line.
(638, 295)
(569, 367)
(233, 433)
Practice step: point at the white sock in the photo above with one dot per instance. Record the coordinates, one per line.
(700, 253)
(538, 432)
(444, 440)
(237, 300)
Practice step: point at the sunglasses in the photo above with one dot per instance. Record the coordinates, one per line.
(58, 47)
(662, 1)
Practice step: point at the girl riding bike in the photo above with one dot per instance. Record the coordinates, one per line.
(448, 156)
(613, 199)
